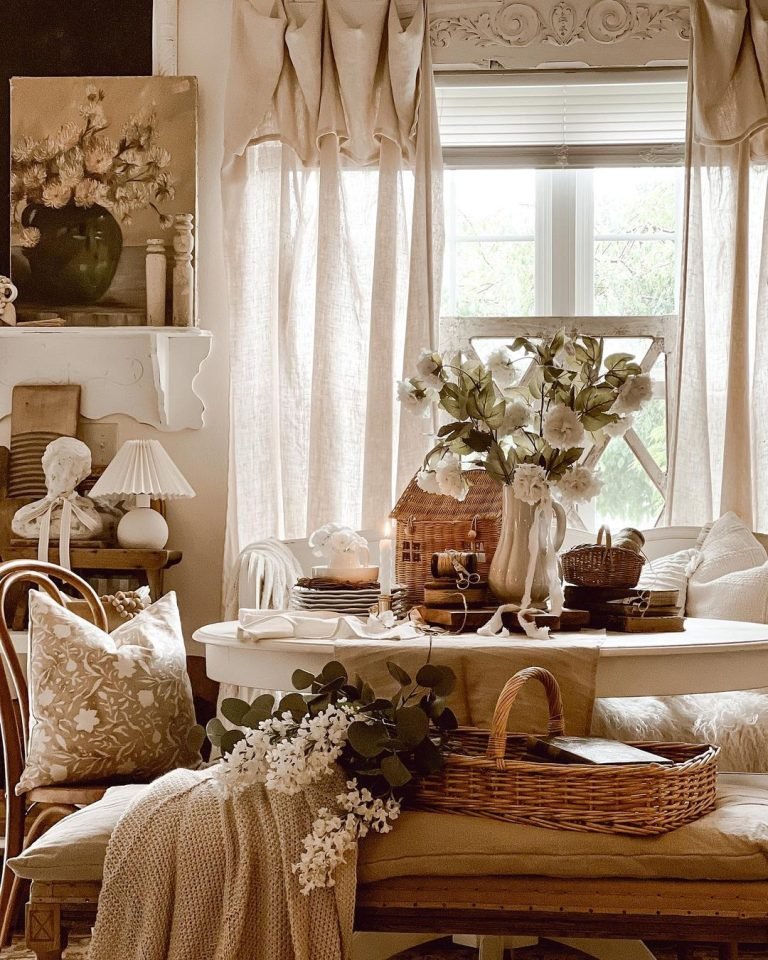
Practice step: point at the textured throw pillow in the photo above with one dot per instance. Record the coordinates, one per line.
(106, 705)
(670, 573)
(726, 546)
(740, 595)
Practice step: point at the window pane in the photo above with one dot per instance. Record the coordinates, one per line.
(628, 497)
(494, 202)
(635, 277)
(495, 279)
(490, 219)
(636, 245)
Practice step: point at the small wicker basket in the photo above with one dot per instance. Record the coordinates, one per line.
(484, 776)
(601, 564)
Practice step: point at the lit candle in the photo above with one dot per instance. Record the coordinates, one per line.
(385, 563)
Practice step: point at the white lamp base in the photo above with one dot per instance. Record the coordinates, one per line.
(144, 528)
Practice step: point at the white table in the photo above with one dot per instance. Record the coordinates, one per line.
(709, 656)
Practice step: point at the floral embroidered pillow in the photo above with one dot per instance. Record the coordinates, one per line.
(106, 705)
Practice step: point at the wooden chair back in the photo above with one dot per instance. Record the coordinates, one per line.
(14, 694)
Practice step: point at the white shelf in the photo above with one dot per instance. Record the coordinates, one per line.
(147, 373)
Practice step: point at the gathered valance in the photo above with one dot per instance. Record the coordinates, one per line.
(730, 73)
(348, 69)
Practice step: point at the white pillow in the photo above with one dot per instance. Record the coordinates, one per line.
(727, 546)
(670, 573)
(740, 595)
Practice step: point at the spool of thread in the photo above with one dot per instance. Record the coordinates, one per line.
(444, 564)
(629, 539)
(444, 593)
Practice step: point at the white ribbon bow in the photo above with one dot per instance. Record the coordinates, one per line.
(68, 509)
(542, 517)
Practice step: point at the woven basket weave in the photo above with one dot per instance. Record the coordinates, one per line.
(429, 523)
(601, 564)
(484, 776)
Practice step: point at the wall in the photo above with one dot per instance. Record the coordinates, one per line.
(197, 525)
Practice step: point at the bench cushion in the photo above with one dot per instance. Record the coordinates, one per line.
(75, 847)
(729, 844)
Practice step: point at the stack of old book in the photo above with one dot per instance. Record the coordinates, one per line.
(628, 610)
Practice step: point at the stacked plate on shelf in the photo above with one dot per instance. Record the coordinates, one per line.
(345, 599)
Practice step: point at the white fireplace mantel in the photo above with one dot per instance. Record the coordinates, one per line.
(147, 373)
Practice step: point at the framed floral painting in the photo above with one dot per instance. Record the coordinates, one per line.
(99, 166)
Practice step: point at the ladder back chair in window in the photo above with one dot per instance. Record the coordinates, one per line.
(39, 808)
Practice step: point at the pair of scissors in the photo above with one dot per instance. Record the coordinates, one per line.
(464, 579)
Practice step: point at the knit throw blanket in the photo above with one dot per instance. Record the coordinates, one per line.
(192, 874)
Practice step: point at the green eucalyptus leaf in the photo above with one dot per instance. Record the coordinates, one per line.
(196, 738)
(379, 705)
(397, 673)
(447, 720)
(302, 679)
(265, 701)
(318, 704)
(215, 730)
(229, 739)
(428, 675)
(427, 757)
(234, 710)
(367, 739)
(332, 671)
(412, 725)
(395, 771)
(294, 704)
(333, 686)
(366, 694)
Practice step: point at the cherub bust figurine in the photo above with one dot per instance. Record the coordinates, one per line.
(8, 294)
(63, 514)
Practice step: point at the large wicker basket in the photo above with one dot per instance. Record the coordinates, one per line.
(601, 564)
(484, 776)
(428, 523)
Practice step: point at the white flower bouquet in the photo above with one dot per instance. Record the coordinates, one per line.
(340, 725)
(532, 433)
(80, 164)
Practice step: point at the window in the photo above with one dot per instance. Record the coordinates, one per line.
(563, 203)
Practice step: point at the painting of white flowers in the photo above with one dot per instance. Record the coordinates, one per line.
(99, 166)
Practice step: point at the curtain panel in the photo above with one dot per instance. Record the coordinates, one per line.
(332, 198)
(720, 434)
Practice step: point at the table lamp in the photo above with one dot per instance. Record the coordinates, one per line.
(142, 468)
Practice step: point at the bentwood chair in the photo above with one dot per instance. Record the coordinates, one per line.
(38, 809)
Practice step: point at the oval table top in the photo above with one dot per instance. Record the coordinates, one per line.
(709, 656)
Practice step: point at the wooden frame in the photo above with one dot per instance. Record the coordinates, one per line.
(678, 910)
(45, 804)
(165, 36)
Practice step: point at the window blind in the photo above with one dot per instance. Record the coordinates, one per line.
(492, 120)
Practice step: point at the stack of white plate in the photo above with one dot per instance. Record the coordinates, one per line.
(347, 600)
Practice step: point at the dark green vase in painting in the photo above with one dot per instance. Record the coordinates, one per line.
(75, 260)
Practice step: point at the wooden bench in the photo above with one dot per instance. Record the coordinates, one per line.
(395, 894)
(639, 909)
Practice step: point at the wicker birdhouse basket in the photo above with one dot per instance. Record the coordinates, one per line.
(428, 523)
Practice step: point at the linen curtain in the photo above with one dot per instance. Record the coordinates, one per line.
(720, 437)
(332, 199)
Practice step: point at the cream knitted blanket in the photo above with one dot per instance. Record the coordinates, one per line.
(191, 874)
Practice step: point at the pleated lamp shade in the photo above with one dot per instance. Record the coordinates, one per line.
(142, 467)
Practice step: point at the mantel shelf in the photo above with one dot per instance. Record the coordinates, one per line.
(147, 373)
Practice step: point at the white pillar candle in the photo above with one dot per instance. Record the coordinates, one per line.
(385, 564)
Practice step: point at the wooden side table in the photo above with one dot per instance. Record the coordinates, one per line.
(147, 565)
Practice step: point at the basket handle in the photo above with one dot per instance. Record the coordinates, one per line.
(497, 742)
(604, 530)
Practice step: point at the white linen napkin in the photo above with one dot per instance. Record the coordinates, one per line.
(323, 625)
